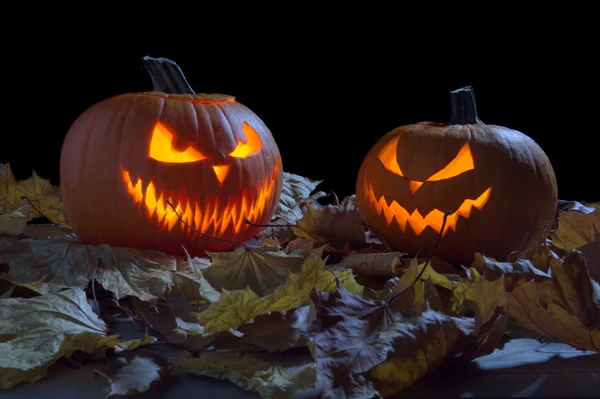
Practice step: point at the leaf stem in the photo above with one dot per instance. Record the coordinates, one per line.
(437, 241)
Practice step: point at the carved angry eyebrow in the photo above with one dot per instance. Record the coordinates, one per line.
(252, 145)
(462, 162)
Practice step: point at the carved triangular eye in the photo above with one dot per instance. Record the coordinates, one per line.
(161, 148)
(252, 145)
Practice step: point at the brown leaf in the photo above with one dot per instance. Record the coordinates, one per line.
(262, 269)
(270, 379)
(356, 341)
(591, 251)
(57, 263)
(299, 243)
(334, 224)
(577, 226)
(374, 264)
(277, 331)
(564, 304)
(280, 226)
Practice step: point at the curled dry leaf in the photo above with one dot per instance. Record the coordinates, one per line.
(294, 189)
(277, 331)
(374, 264)
(37, 331)
(578, 224)
(281, 226)
(365, 347)
(262, 269)
(237, 307)
(563, 304)
(135, 373)
(267, 378)
(334, 224)
(13, 221)
(53, 264)
(42, 194)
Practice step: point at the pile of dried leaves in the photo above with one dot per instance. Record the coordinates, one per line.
(315, 305)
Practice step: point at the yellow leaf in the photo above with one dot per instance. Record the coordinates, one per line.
(334, 224)
(237, 307)
(487, 299)
(268, 379)
(42, 194)
(44, 329)
(459, 305)
(132, 344)
(262, 269)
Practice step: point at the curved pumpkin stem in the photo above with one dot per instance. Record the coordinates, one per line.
(166, 76)
(463, 109)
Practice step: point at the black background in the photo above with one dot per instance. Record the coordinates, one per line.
(326, 96)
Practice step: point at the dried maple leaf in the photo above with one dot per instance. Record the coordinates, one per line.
(262, 269)
(294, 189)
(135, 373)
(299, 243)
(334, 224)
(578, 225)
(357, 341)
(42, 194)
(237, 307)
(281, 225)
(563, 304)
(374, 264)
(38, 331)
(277, 331)
(129, 345)
(417, 295)
(53, 264)
(267, 378)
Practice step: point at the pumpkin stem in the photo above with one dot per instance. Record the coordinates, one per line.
(166, 76)
(463, 109)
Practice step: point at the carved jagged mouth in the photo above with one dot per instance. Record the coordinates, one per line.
(210, 215)
(394, 211)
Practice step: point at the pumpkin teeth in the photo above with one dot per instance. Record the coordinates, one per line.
(211, 216)
(394, 211)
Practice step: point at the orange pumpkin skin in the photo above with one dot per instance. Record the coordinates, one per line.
(213, 158)
(497, 182)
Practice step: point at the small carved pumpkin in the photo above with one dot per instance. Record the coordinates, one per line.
(497, 183)
(211, 157)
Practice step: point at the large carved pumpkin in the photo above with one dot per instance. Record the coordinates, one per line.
(210, 156)
(497, 183)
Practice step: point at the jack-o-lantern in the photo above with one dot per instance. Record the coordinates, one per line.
(126, 158)
(497, 184)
